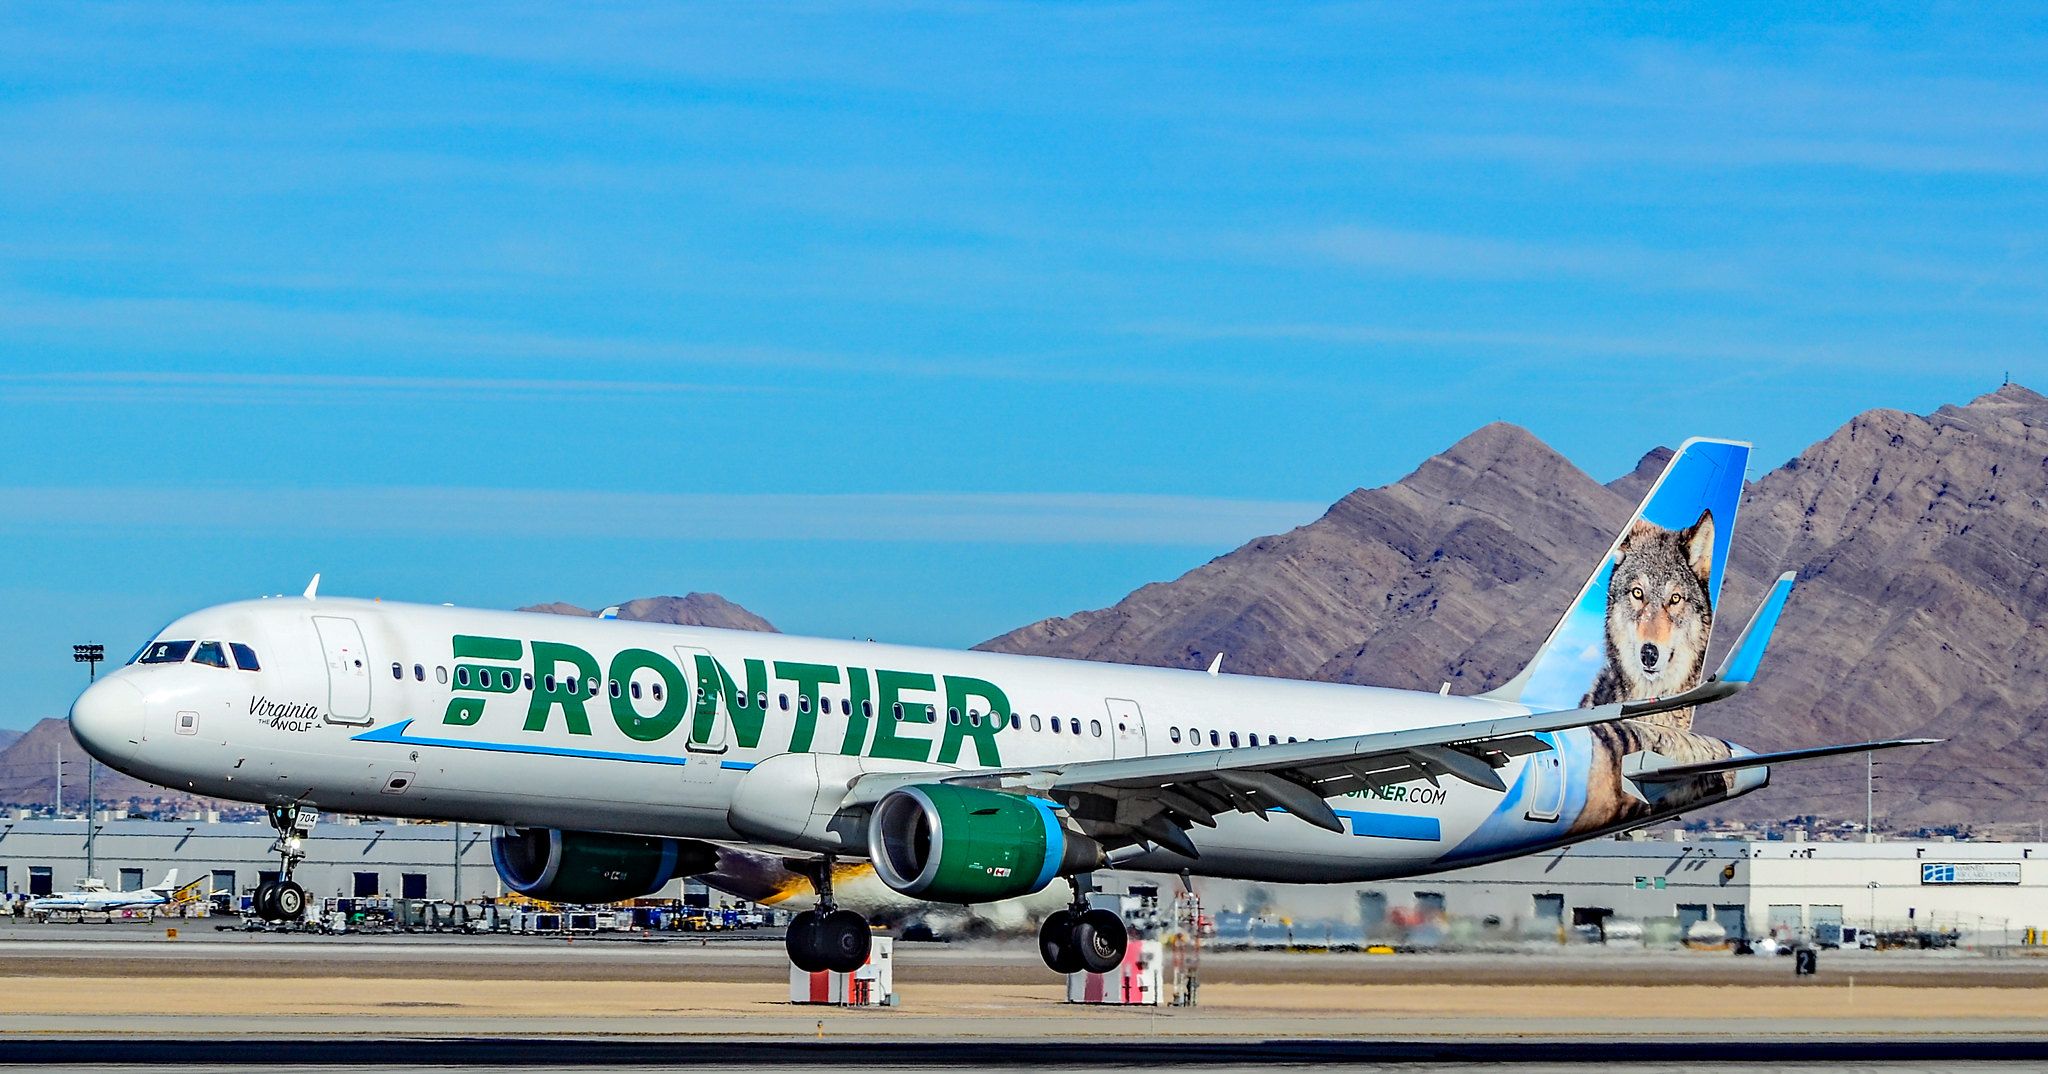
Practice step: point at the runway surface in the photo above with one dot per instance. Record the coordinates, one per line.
(81, 996)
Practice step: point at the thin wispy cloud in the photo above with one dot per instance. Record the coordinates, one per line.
(459, 512)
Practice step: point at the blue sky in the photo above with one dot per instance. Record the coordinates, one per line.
(924, 321)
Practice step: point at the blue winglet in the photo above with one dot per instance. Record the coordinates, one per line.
(1740, 665)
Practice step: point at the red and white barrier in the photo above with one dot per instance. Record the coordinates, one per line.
(1134, 983)
(872, 985)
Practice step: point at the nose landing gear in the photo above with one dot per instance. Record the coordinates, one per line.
(827, 938)
(1083, 938)
(283, 899)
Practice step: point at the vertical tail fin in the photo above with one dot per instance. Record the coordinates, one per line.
(169, 883)
(1639, 626)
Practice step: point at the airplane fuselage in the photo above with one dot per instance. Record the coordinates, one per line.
(545, 721)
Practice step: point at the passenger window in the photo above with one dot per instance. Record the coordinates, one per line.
(1034, 723)
(167, 652)
(953, 717)
(615, 689)
(549, 682)
(1055, 725)
(1233, 740)
(245, 657)
(419, 673)
(897, 710)
(593, 687)
(527, 679)
(1074, 725)
(636, 690)
(1215, 739)
(783, 700)
(1095, 728)
(398, 671)
(1174, 733)
(761, 699)
(1016, 722)
(845, 707)
(462, 676)
(505, 680)
(441, 675)
(803, 703)
(867, 710)
(655, 687)
(744, 700)
(210, 653)
(1290, 738)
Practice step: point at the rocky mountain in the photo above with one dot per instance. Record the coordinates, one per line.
(690, 609)
(1922, 607)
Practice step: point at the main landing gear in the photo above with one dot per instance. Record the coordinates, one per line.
(1083, 938)
(283, 899)
(827, 938)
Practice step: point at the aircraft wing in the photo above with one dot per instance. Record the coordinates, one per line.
(1155, 799)
(1136, 799)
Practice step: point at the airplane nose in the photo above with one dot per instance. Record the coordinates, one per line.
(107, 719)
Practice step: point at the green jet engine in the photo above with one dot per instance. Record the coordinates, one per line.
(593, 867)
(954, 844)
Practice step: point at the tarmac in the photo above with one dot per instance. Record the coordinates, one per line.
(84, 995)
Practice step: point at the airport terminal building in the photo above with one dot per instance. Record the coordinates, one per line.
(1989, 892)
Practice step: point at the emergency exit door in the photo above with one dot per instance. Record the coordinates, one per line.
(348, 669)
(1127, 725)
(710, 738)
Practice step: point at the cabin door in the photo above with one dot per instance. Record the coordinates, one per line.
(348, 669)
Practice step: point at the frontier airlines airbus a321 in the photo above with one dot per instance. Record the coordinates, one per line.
(616, 756)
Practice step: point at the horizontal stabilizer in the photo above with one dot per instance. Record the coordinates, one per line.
(1759, 760)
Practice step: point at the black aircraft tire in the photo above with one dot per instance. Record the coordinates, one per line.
(1056, 943)
(805, 952)
(844, 941)
(1100, 939)
(289, 900)
(265, 902)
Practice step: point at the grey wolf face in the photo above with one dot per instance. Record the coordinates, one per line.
(1659, 613)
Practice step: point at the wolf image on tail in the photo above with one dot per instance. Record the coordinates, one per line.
(1639, 630)
(1660, 614)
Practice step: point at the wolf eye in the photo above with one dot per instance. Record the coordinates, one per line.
(1677, 600)
(1636, 592)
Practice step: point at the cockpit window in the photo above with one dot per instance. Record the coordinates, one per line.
(245, 657)
(167, 652)
(211, 653)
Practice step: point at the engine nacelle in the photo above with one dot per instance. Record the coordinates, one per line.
(965, 844)
(593, 867)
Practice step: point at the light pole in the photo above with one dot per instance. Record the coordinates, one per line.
(90, 655)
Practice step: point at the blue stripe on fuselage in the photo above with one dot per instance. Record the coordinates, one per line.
(396, 733)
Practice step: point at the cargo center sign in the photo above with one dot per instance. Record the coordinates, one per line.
(1970, 872)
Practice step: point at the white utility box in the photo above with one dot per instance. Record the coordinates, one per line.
(872, 985)
(1135, 983)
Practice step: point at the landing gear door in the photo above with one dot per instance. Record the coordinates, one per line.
(1127, 726)
(1543, 791)
(705, 736)
(348, 669)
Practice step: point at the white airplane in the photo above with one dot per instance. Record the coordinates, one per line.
(92, 897)
(615, 756)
